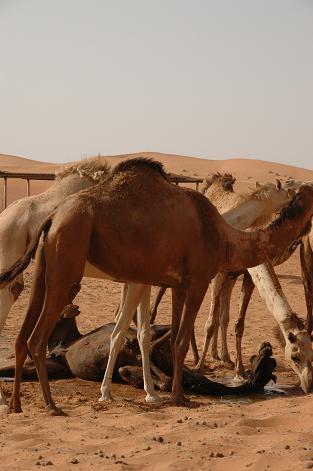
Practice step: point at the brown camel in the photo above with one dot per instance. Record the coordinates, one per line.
(164, 235)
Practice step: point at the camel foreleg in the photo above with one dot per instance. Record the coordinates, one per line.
(245, 296)
(212, 322)
(193, 298)
(33, 312)
(224, 317)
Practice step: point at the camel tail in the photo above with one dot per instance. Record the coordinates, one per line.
(20, 265)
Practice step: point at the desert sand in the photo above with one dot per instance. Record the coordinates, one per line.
(271, 431)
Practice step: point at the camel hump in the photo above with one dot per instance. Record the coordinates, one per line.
(139, 163)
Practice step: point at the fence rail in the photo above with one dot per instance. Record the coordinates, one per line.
(173, 177)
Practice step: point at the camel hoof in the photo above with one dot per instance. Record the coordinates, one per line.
(105, 397)
(15, 408)
(153, 399)
(184, 402)
(56, 412)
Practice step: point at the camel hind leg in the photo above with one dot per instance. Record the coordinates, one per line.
(65, 259)
(212, 322)
(35, 305)
(37, 343)
(224, 318)
(245, 296)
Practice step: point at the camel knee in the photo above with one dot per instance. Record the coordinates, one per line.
(143, 335)
(181, 348)
(212, 330)
(37, 348)
(239, 327)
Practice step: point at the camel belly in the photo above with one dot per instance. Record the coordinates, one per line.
(93, 272)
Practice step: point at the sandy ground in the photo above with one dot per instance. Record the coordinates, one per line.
(258, 433)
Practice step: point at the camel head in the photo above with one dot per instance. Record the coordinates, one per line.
(298, 351)
(274, 193)
(223, 180)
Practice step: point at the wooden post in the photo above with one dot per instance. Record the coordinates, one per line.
(197, 186)
(28, 186)
(5, 193)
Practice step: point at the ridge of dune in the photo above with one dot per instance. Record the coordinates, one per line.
(246, 171)
(176, 162)
(14, 163)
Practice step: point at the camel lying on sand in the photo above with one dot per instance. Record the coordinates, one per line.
(72, 354)
(164, 235)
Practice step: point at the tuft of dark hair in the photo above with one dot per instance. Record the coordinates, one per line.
(139, 163)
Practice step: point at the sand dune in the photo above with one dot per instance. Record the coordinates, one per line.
(255, 433)
(247, 171)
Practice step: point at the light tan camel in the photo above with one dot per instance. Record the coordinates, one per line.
(20, 221)
(249, 211)
(270, 290)
(164, 235)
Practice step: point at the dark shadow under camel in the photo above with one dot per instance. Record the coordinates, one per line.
(72, 354)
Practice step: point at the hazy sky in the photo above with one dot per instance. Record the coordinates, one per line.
(208, 78)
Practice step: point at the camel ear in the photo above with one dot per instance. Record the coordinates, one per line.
(278, 184)
(70, 312)
(291, 192)
(257, 185)
(291, 337)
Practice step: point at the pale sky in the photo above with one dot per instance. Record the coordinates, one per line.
(209, 78)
